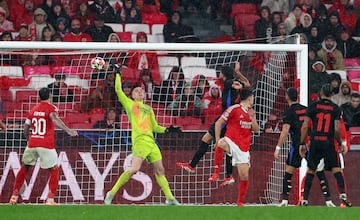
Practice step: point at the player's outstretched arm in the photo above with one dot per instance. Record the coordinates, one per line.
(123, 99)
(283, 136)
(60, 124)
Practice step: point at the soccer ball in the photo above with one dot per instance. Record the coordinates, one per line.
(97, 63)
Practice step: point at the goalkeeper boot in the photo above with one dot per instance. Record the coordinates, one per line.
(329, 203)
(186, 166)
(228, 181)
(108, 199)
(283, 203)
(172, 202)
(214, 177)
(13, 200)
(50, 201)
(344, 200)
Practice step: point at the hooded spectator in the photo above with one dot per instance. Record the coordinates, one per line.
(5, 25)
(174, 29)
(331, 56)
(36, 28)
(349, 47)
(335, 23)
(317, 78)
(344, 94)
(335, 81)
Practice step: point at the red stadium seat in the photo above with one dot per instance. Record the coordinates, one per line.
(80, 125)
(244, 26)
(243, 9)
(36, 70)
(151, 19)
(26, 95)
(355, 135)
(124, 122)
(5, 95)
(96, 117)
(125, 36)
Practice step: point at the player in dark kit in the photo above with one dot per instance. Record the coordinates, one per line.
(325, 117)
(293, 118)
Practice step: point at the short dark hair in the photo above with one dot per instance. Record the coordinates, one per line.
(355, 95)
(292, 93)
(326, 90)
(227, 71)
(245, 93)
(44, 93)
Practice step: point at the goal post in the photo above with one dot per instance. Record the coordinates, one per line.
(91, 163)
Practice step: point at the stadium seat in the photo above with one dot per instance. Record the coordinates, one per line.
(80, 125)
(342, 73)
(96, 117)
(243, 9)
(36, 70)
(354, 75)
(355, 135)
(157, 31)
(192, 62)
(190, 72)
(125, 36)
(74, 117)
(26, 95)
(6, 95)
(39, 81)
(11, 71)
(135, 28)
(166, 63)
(73, 80)
(244, 26)
(352, 62)
(124, 121)
(152, 19)
(116, 27)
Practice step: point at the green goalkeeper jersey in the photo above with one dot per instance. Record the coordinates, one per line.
(141, 117)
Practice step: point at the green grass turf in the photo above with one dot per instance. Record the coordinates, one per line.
(135, 212)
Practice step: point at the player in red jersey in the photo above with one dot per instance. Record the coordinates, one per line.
(240, 121)
(39, 131)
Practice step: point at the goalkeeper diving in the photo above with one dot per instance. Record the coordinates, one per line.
(143, 124)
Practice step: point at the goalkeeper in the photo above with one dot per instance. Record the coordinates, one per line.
(143, 124)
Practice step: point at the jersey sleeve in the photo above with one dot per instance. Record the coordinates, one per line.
(123, 99)
(155, 126)
(287, 117)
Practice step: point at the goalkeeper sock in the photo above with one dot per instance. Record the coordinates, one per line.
(124, 178)
(243, 188)
(20, 177)
(324, 185)
(199, 153)
(286, 185)
(164, 185)
(218, 158)
(54, 181)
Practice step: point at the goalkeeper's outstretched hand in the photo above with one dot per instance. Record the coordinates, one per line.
(117, 68)
(173, 129)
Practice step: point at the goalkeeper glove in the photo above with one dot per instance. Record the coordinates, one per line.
(117, 68)
(173, 129)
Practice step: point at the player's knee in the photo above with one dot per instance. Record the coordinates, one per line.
(222, 143)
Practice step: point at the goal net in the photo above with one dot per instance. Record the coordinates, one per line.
(91, 163)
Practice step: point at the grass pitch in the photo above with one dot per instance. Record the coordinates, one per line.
(139, 212)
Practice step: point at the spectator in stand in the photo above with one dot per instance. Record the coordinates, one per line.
(57, 11)
(103, 7)
(335, 81)
(351, 111)
(212, 103)
(314, 38)
(335, 24)
(46, 34)
(263, 26)
(16, 8)
(36, 27)
(331, 56)
(94, 99)
(281, 37)
(344, 94)
(6, 36)
(147, 83)
(4, 5)
(75, 34)
(276, 19)
(293, 20)
(186, 104)
(201, 85)
(99, 32)
(305, 25)
(281, 6)
(23, 33)
(357, 28)
(349, 47)
(47, 6)
(142, 60)
(170, 88)
(5, 25)
(313, 57)
(62, 26)
(27, 16)
(308, 7)
(128, 13)
(110, 121)
(84, 14)
(109, 94)
(322, 21)
(317, 78)
(60, 90)
(114, 38)
(174, 28)
(127, 87)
